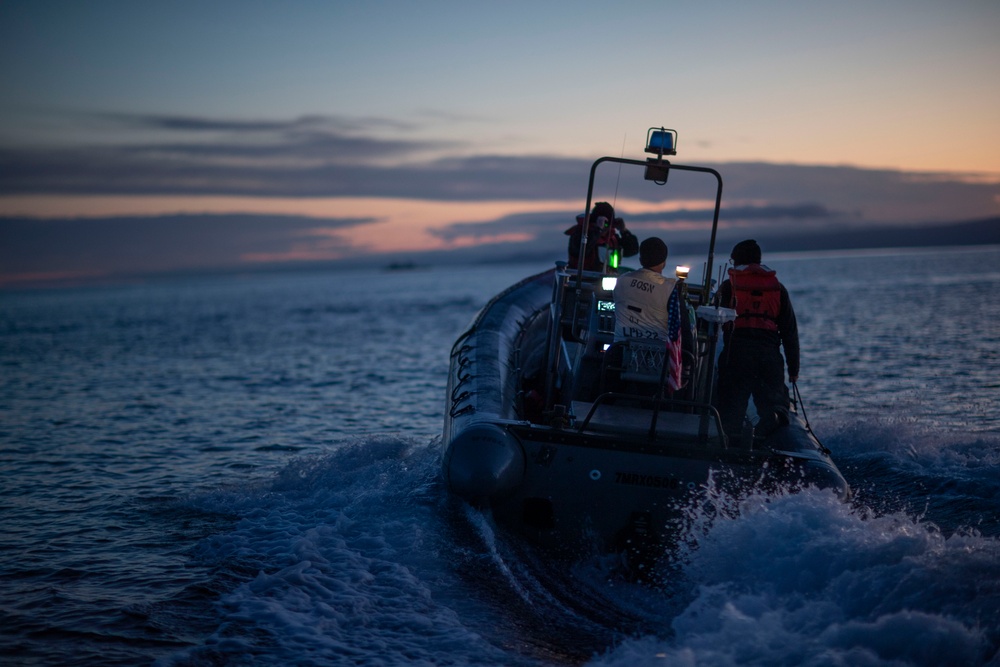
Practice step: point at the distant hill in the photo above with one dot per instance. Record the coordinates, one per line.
(976, 232)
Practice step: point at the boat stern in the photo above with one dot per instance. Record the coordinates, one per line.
(484, 461)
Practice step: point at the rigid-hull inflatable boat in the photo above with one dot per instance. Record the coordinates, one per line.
(574, 440)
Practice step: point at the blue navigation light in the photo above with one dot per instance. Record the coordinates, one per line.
(661, 141)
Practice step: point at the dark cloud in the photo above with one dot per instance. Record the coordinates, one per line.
(533, 224)
(314, 123)
(309, 156)
(266, 171)
(131, 244)
(545, 222)
(317, 156)
(308, 139)
(542, 235)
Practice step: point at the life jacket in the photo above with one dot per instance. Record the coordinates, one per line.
(757, 297)
(600, 234)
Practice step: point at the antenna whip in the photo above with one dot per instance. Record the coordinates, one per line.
(614, 202)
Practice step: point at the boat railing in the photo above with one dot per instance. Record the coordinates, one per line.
(574, 298)
(575, 295)
(643, 362)
(624, 412)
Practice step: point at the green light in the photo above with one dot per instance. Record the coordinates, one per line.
(613, 258)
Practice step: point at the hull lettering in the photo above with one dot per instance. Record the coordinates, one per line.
(654, 481)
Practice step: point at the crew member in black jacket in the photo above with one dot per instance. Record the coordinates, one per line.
(604, 230)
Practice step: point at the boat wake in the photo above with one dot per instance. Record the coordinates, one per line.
(805, 579)
(361, 556)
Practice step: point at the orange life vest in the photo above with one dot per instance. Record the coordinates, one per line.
(757, 297)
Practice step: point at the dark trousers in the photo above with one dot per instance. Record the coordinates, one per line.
(751, 368)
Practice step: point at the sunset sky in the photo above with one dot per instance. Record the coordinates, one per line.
(381, 127)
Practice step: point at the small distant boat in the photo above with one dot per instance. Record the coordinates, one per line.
(571, 439)
(401, 266)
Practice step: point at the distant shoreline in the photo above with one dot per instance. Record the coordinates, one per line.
(976, 233)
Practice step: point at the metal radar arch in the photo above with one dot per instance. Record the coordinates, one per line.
(660, 143)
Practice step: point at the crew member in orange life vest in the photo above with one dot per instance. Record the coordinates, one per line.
(751, 363)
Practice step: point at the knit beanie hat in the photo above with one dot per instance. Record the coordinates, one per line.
(652, 251)
(745, 252)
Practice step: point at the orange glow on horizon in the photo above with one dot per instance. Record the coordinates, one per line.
(83, 206)
(393, 225)
(385, 225)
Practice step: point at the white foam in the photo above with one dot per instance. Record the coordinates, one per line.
(806, 580)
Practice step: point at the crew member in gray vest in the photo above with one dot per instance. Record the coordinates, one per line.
(642, 307)
(641, 296)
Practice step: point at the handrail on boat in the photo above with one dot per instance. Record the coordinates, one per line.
(667, 165)
(703, 410)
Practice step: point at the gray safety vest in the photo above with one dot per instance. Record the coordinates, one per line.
(641, 305)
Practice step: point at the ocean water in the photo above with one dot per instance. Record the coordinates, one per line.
(245, 471)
